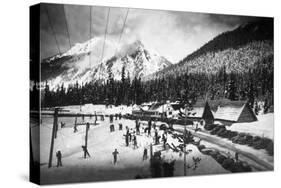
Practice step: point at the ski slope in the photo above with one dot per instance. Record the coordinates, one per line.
(101, 144)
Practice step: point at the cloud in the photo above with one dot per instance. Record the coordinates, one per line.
(172, 34)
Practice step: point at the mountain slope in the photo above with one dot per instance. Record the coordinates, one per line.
(74, 66)
(238, 50)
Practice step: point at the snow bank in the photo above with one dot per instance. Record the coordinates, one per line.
(264, 127)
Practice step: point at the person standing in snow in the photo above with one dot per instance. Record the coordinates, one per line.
(59, 155)
(115, 153)
(127, 139)
(144, 154)
(120, 126)
(111, 118)
(62, 124)
(135, 141)
(85, 150)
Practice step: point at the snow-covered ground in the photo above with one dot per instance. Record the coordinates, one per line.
(101, 144)
(261, 157)
(264, 127)
(99, 109)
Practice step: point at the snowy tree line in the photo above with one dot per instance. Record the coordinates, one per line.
(254, 85)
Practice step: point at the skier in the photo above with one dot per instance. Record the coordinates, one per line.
(135, 141)
(116, 116)
(58, 154)
(130, 136)
(85, 150)
(111, 118)
(120, 116)
(62, 124)
(120, 126)
(144, 154)
(115, 153)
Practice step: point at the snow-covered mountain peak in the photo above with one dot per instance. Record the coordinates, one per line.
(83, 62)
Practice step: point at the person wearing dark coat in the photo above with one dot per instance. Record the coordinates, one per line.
(135, 141)
(120, 126)
(127, 139)
(144, 154)
(111, 118)
(62, 124)
(85, 150)
(115, 153)
(59, 156)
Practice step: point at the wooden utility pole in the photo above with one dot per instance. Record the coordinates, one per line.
(86, 138)
(55, 125)
(184, 140)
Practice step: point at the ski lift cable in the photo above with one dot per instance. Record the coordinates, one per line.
(52, 28)
(66, 25)
(124, 24)
(105, 34)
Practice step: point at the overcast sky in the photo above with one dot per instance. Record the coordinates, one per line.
(172, 34)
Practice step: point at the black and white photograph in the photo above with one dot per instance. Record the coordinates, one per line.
(121, 93)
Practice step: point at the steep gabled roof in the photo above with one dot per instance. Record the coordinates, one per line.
(228, 110)
(215, 104)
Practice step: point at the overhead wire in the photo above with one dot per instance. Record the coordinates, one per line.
(105, 34)
(67, 29)
(52, 28)
(124, 24)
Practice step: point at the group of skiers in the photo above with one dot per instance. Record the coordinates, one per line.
(130, 137)
(117, 116)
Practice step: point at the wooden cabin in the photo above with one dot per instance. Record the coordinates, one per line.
(228, 112)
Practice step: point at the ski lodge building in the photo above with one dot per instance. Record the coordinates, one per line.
(228, 112)
(223, 111)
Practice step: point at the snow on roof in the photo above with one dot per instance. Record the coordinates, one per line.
(230, 113)
(215, 104)
(226, 109)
